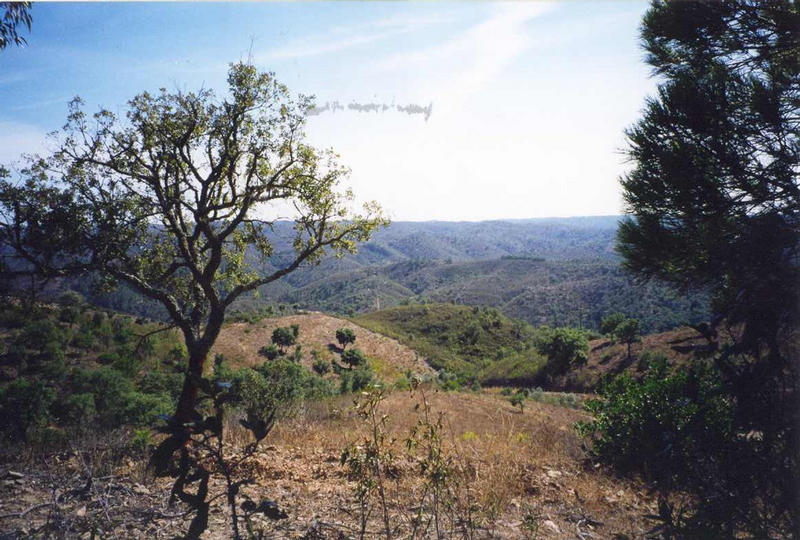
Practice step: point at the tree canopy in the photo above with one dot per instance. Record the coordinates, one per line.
(714, 203)
(714, 192)
(345, 336)
(14, 15)
(171, 198)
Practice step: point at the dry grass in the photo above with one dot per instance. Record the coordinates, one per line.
(679, 346)
(513, 466)
(511, 463)
(240, 342)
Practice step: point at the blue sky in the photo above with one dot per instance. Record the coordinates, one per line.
(529, 100)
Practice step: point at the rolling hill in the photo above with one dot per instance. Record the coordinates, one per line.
(544, 271)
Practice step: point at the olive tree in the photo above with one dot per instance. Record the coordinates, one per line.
(345, 336)
(175, 199)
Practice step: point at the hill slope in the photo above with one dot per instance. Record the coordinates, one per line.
(240, 342)
(544, 271)
(472, 343)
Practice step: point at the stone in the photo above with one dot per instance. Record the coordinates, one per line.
(551, 525)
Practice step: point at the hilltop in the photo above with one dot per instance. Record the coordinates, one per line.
(239, 342)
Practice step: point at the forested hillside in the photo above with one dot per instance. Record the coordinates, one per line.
(544, 271)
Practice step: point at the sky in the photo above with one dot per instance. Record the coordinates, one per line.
(527, 101)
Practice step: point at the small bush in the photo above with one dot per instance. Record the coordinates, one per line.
(78, 410)
(71, 299)
(609, 323)
(345, 337)
(320, 366)
(69, 315)
(141, 440)
(283, 337)
(25, 405)
(270, 352)
(356, 380)
(353, 358)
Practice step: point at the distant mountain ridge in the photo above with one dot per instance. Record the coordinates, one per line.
(557, 271)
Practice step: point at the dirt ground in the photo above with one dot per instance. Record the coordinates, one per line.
(522, 474)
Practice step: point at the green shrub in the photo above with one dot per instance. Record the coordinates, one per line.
(283, 337)
(84, 338)
(518, 399)
(664, 426)
(270, 352)
(650, 358)
(564, 347)
(609, 323)
(280, 385)
(71, 299)
(98, 319)
(320, 366)
(297, 355)
(402, 383)
(111, 391)
(345, 337)
(143, 409)
(25, 405)
(107, 358)
(178, 353)
(51, 362)
(13, 317)
(69, 315)
(141, 440)
(449, 381)
(121, 329)
(353, 358)
(356, 380)
(40, 333)
(126, 363)
(158, 382)
(77, 409)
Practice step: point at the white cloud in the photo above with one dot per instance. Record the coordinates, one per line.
(462, 64)
(348, 36)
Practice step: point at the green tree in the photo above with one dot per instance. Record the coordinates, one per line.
(563, 347)
(610, 322)
(345, 337)
(14, 15)
(283, 337)
(169, 201)
(714, 204)
(628, 333)
(353, 358)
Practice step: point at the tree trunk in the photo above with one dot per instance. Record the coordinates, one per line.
(188, 398)
(198, 353)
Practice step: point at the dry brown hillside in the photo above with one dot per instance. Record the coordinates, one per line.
(522, 474)
(609, 357)
(240, 342)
